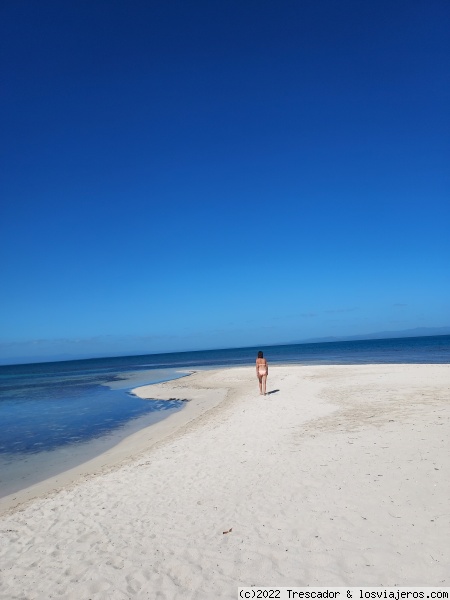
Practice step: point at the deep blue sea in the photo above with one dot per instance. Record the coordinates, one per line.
(56, 415)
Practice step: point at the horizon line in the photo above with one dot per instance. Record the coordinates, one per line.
(382, 335)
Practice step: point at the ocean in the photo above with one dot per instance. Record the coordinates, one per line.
(57, 415)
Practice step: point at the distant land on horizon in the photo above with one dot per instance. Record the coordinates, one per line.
(380, 335)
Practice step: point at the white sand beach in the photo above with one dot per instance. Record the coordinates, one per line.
(339, 476)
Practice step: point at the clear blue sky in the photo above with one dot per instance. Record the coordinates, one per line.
(180, 175)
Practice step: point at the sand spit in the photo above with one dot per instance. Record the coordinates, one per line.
(340, 476)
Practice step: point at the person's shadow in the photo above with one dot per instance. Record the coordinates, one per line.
(272, 392)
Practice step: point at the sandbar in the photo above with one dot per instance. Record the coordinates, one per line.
(338, 477)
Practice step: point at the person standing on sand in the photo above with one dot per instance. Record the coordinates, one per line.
(262, 370)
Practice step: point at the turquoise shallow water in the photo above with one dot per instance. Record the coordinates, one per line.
(56, 415)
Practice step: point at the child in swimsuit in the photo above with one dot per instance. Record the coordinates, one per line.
(262, 370)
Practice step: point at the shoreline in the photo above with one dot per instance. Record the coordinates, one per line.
(25, 469)
(337, 477)
(126, 449)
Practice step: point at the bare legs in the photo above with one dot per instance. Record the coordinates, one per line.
(262, 384)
